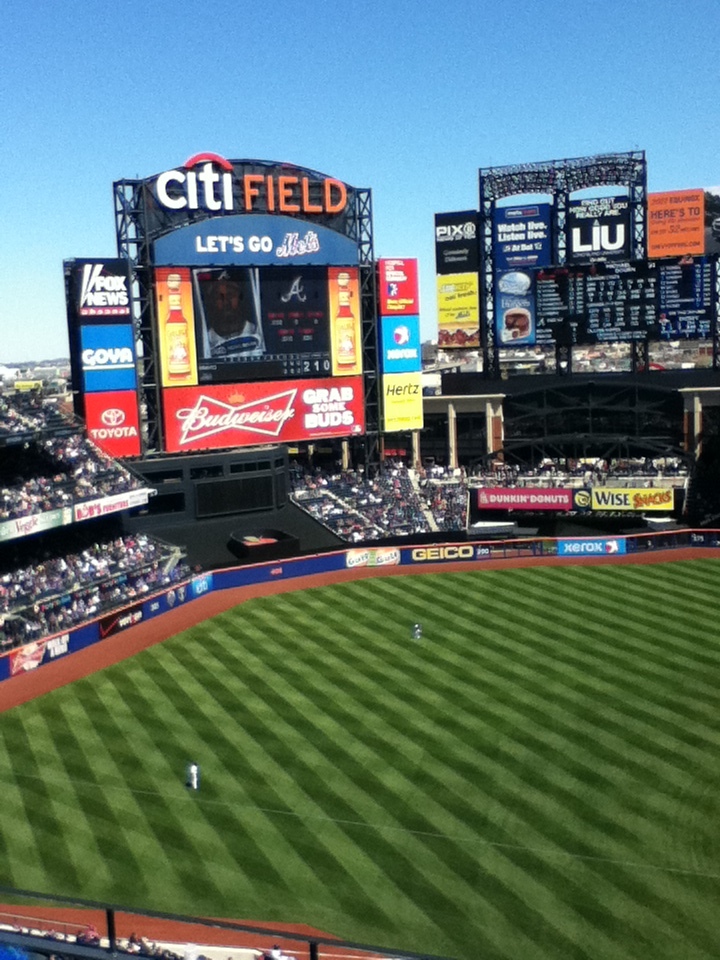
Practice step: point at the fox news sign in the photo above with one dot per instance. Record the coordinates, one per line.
(101, 289)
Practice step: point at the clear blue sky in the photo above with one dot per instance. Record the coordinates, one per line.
(406, 97)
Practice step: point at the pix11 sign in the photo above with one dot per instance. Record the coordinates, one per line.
(240, 415)
(398, 287)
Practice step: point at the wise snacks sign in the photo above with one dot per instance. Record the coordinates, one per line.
(633, 498)
(239, 415)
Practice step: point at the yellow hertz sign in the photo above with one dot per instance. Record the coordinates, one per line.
(633, 498)
(402, 402)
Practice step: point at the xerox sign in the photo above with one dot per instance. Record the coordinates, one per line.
(241, 415)
(592, 548)
(107, 354)
(113, 423)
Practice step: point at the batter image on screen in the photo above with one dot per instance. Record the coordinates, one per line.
(229, 313)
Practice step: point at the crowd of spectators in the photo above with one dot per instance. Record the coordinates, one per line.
(358, 508)
(52, 472)
(589, 472)
(134, 945)
(401, 501)
(87, 936)
(63, 590)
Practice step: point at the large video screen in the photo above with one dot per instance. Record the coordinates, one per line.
(257, 323)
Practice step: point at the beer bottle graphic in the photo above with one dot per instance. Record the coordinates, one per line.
(345, 328)
(177, 334)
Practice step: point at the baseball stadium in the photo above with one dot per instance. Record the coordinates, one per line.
(318, 641)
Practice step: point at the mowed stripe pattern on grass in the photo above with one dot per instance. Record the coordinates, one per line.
(538, 776)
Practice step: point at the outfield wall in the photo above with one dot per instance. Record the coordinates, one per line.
(413, 557)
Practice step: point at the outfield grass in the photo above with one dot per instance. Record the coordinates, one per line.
(537, 778)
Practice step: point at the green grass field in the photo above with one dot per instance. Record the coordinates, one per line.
(539, 777)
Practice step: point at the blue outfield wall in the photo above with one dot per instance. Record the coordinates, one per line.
(36, 654)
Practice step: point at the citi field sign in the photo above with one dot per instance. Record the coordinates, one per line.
(209, 182)
(216, 212)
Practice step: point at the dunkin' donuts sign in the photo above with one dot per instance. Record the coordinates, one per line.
(238, 415)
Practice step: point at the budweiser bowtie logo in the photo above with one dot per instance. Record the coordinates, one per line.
(209, 417)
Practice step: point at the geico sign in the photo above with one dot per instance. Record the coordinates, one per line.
(116, 357)
(453, 552)
(207, 182)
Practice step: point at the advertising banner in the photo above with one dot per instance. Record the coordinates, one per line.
(456, 242)
(37, 523)
(89, 509)
(253, 241)
(598, 229)
(398, 287)
(515, 309)
(176, 327)
(112, 421)
(238, 415)
(401, 348)
(120, 620)
(458, 311)
(676, 223)
(372, 557)
(517, 498)
(402, 402)
(445, 553)
(101, 289)
(657, 499)
(108, 357)
(345, 332)
(591, 548)
(522, 236)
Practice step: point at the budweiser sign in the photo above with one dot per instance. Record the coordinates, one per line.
(236, 415)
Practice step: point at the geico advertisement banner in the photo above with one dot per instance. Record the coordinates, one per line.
(398, 287)
(102, 289)
(659, 499)
(591, 548)
(402, 402)
(176, 327)
(458, 311)
(253, 241)
(676, 223)
(240, 415)
(107, 356)
(445, 553)
(113, 423)
(401, 348)
(557, 498)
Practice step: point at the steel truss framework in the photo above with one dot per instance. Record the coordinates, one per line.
(593, 420)
(558, 178)
(131, 198)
